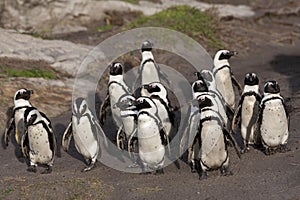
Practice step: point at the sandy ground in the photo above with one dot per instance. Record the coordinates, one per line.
(255, 175)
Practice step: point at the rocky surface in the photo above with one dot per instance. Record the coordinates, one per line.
(71, 16)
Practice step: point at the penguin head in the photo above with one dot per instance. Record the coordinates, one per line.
(126, 102)
(204, 101)
(23, 94)
(79, 107)
(207, 75)
(251, 79)
(146, 46)
(224, 54)
(31, 115)
(154, 87)
(145, 103)
(115, 69)
(199, 86)
(271, 87)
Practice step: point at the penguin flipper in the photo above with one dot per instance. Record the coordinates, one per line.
(67, 137)
(229, 136)
(236, 119)
(236, 83)
(104, 106)
(25, 144)
(8, 130)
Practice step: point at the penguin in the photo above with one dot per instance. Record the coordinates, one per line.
(208, 77)
(86, 132)
(116, 88)
(21, 103)
(224, 77)
(151, 136)
(39, 141)
(247, 112)
(273, 122)
(148, 71)
(158, 93)
(212, 138)
(128, 115)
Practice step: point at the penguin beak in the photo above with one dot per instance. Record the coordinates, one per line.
(232, 53)
(30, 91)
(147, 87)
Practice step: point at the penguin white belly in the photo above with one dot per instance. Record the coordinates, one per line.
(19, 124)
(149, 73)
(115, 92)
(213, 149)
(274, 125)
(128, 122)
(163, 116)
(151, 150)
(84, 139)
(40, 151)
(248, 119)
(225, 87)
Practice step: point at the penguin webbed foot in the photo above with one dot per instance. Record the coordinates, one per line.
(32, 168)
(269, 151)
(225, 171)
(283, 148)
(91, 165)
(203, 175)
(245, 150)
(48, 170)
(159, 171)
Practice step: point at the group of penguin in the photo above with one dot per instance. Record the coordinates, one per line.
(145, 119)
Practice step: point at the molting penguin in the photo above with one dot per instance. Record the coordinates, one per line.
(149, 71)
(21, 102)
(151, 136)
(212, 138)
(224, 77)
(39, 141)
(273, 119)
(247, 112)
(86, 132)
(158, 93)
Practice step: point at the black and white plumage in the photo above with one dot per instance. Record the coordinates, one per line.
(21, 102)
(212, 138)
(247, 112)
(273, 120)
(39, 141)
(86, 133)
(149, 71)
(224, 77)
(128, 115)
(151, 136)
(116, 88)
(158, 93)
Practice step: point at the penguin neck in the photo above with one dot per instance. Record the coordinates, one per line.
(117, 78)
(147, 55)
(220, 63)
(21, 102)
(251, 88)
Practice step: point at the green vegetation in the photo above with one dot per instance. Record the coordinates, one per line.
(28, 73)
(138, 1)
(105, 28)
(132, 1)
(189, 20)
